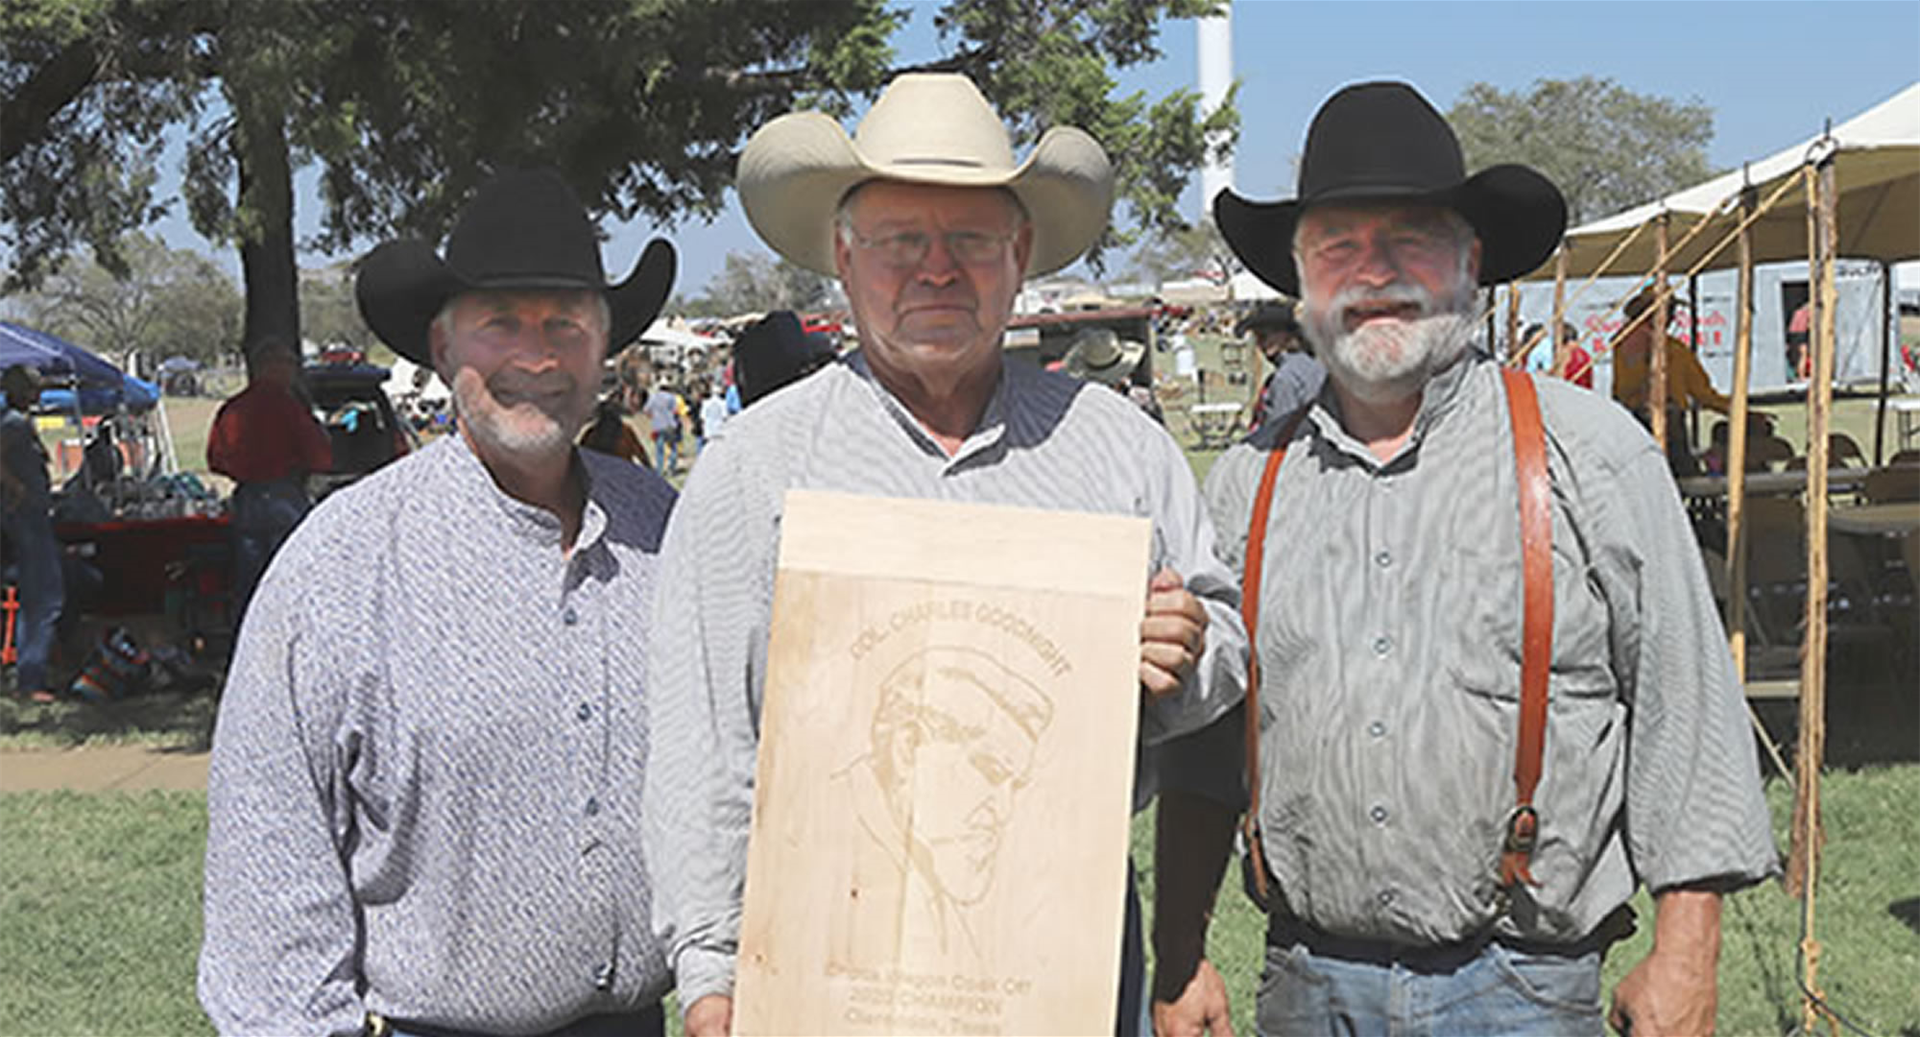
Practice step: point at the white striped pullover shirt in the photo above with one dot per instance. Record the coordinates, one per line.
(1045, 440)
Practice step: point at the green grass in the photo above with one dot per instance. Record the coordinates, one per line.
(101, 896)
(170, 721)
(101, 900)
(1867, 920)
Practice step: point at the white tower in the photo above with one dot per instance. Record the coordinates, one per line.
(1216, 76)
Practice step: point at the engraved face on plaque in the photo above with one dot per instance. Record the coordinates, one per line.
(944, 781)
(960, 720)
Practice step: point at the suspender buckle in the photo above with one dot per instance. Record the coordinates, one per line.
(1523, 830)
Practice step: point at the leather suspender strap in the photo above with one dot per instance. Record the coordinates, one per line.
(1536, 658)
(1536, 562)
(1250, 613)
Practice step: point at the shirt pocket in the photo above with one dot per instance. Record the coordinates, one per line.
(1480, 627)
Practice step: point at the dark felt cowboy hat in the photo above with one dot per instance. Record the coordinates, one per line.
(1382, 142)
(776, 350)
(1270, 316)
(521, 230)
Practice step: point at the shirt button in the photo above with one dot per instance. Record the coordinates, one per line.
(585, 712)
(603, 977)
(1379, 814)
(570, 617)
(593, 805)
(1386, 897)
(1383, 559)
(1377, 729)
(1382, 645)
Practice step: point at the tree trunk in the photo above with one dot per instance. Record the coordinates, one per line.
(266, 221)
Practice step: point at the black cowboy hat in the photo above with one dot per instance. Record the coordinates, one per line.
(1269, 316)
(776, 351)
(1382, 142)
(520, 230)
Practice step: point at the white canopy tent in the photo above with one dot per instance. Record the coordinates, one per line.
(1877, 172)
(1869, 209)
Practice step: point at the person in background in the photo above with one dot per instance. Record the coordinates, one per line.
(267, 441)
(1579, 368)
(609, 432)
(1687, 382)
(774, 352)
(26, 515)
(1296, 376)
(1101, 356)
(667, 418)
(713, 409)
(422, 805)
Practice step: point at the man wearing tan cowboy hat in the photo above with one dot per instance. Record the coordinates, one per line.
(1100, 355)
(1447, 853)
(931, 227)
(423, 800)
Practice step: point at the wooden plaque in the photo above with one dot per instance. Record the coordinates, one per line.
(940, 816)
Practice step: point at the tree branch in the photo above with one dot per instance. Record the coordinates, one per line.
(786, 80)
(25, 116)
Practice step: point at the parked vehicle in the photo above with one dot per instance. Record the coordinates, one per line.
(351, 404)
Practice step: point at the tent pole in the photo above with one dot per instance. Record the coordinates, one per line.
(1560, 348)
(1657, 354)
(1516, 358)
(1693, 344)
(1807, 832)
(1887, 336)
(1737, 451)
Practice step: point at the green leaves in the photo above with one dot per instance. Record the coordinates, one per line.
(407, 105)
(1606, 147)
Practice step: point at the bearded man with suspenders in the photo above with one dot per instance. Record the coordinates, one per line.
(1493, 691)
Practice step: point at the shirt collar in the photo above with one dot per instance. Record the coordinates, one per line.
(1449, 390)
(525, 521)
(990, 430)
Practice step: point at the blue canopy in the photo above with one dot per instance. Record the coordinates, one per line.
(102, 387)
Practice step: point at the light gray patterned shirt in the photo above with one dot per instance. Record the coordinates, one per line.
(1046, 440)
(424, 793)
(1389, 645)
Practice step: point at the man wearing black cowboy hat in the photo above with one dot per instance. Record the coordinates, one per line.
(422, 804)
(1296, 376)
(1425, 874)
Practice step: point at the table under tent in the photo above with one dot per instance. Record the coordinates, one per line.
(1852, 192)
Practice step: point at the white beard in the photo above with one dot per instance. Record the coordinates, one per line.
(520, 429)
(1385, 361)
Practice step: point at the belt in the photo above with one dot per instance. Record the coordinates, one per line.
(1284, 929)
(641, 1022)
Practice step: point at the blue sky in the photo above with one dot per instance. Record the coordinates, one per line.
(1773, 73)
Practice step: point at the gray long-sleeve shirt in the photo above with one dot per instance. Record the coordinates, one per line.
(1389, 645)
(1045, 441)
(424, 793)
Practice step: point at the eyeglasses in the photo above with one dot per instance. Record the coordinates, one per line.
(908, 248)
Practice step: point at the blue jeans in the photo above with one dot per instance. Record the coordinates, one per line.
(35, 554)
(666, 450)
(1489, 988)
(264, 514)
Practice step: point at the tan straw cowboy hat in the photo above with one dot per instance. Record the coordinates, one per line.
(926, 128)
(1100, 355)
